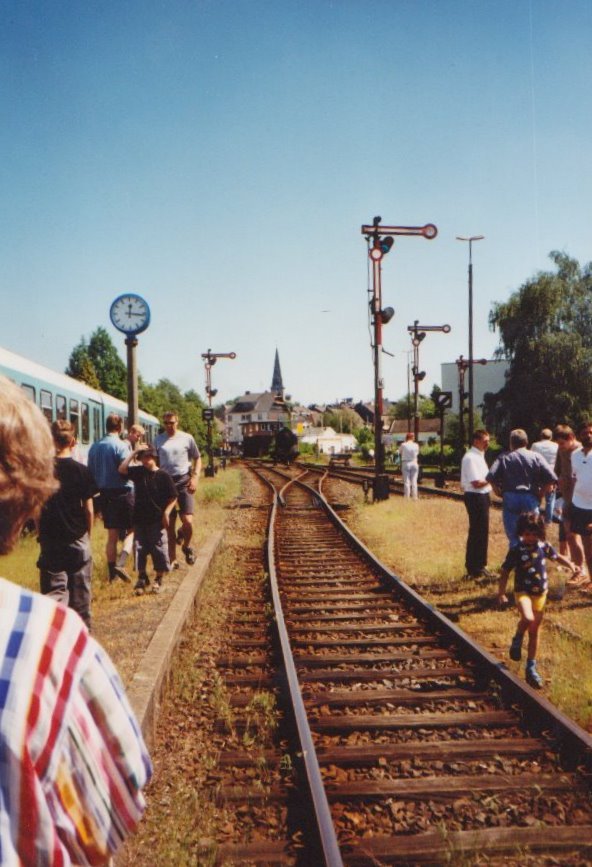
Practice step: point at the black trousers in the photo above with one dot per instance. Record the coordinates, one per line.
(477, 506)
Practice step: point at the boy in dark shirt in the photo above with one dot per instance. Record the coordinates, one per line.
(155, 498)
(65, 560)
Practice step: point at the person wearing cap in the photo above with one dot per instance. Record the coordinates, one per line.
(547, 449)
(155, 499)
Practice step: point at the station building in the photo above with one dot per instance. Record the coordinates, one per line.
(255, 417)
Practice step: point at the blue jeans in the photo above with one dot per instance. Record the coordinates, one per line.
(550, 505)
(514, 503)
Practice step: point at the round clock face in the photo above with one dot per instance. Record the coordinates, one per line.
(130, 314)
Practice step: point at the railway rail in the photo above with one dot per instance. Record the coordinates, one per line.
(365, 476)
(417, 746)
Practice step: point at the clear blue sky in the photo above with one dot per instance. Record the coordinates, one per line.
(220, 156)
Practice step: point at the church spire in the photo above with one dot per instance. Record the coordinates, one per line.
(277, 386)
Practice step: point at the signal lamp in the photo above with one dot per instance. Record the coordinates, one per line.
(419, 336)
(387, 314)
(385, 244)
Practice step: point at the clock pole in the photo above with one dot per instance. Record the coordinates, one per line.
(130, 314)
(132, 380)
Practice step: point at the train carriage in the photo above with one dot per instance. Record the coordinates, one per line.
(60, 396)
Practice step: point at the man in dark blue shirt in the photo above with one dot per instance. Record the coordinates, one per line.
(520, 477)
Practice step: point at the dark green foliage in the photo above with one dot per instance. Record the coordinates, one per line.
(165, 396)
(98, 364)
(81, 367)
(546, 333)
(403, 408)
(342, 420)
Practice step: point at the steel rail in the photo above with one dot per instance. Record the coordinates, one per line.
(575, 742)
(570, 740)
(326, 827)
(355, 475)
(542, 714)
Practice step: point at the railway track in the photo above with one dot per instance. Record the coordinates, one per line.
(417, 747)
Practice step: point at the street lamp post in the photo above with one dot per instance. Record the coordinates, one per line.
(210, 358)
(380, 240)
(470, 240)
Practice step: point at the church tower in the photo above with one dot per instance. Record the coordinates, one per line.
(277, 386)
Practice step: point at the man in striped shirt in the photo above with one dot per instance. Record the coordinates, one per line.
(72, 759)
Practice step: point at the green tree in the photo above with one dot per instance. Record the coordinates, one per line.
(403, 407)
(98, 359)
(342, 420)
(545, 331)
(81, 367)
(364, 435)
(165, 396)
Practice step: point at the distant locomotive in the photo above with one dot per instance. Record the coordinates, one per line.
(285, 446)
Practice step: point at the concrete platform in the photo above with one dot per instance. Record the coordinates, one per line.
(148, 683)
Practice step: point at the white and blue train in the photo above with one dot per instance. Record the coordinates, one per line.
(60, 396)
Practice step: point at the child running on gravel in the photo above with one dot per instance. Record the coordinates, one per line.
(528, 561)
(155, 498)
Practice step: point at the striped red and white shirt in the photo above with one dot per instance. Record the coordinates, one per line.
(72, 758)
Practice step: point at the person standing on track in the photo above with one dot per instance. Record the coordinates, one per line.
(519, 477)
(65, 525)
(73, 761)
(527, 561)
(476, 491)
(409, 453)
(179, 456)
(116, 494)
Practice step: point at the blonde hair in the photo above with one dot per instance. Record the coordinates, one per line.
(26, 462)
(137, 428)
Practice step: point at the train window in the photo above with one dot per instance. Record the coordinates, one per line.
(61, 406)
(85, 423)
(29, 391)
(47, 404)
(75, 415)
(96, 423)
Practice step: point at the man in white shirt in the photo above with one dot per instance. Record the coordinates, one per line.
(581, 501)
(179, 456)
(547, 449)
(476, 496)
